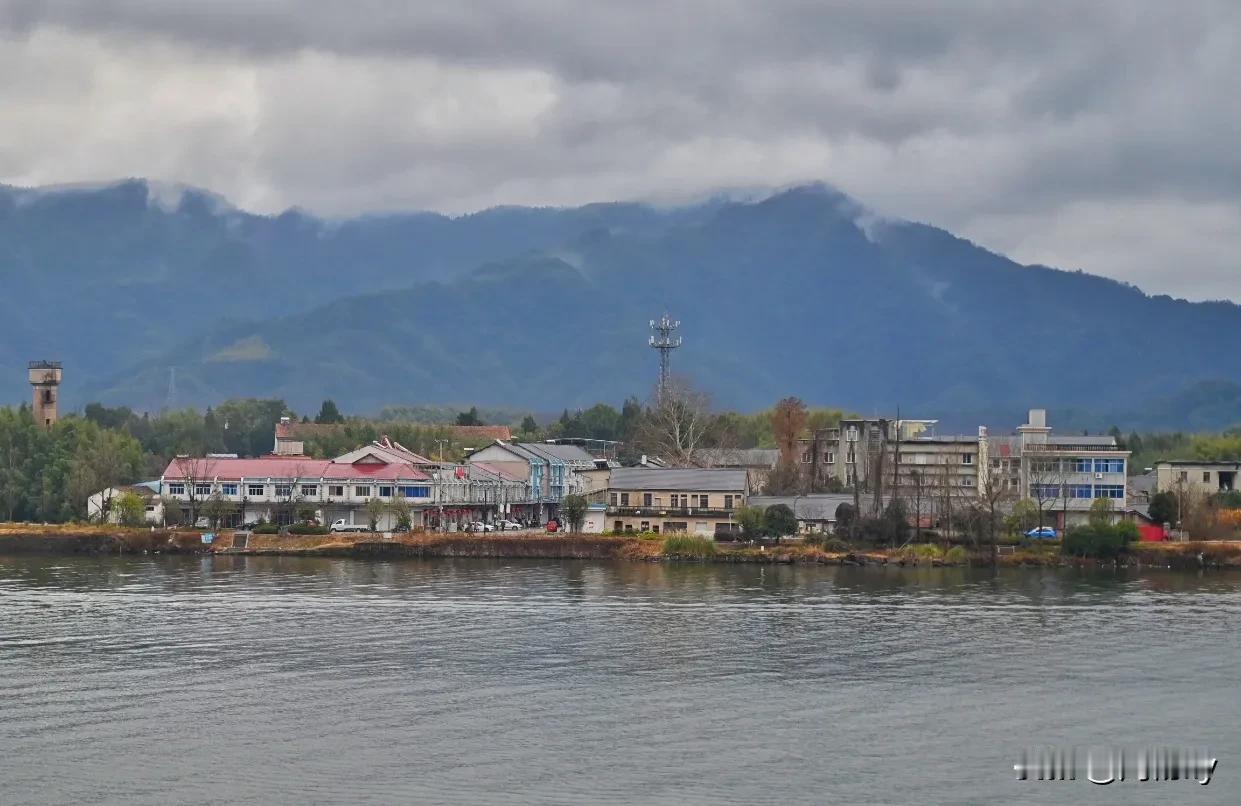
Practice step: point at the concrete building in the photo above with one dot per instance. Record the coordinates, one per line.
(699, 501)
(45, 377)
(816, 513)
(277, 488)
(1062, 475)
(756, 462)
(1196, 477)
(551, 471)
(102, 505)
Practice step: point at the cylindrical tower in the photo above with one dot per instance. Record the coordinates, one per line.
(45, 379)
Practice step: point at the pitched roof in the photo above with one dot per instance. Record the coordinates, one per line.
(565, 453)
(473, 433)
(677, 478)
(288, 467)
(739, 457)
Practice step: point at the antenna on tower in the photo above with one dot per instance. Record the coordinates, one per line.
(665, 343)
(171, 401)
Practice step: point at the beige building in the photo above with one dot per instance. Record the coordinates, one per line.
(698, 501)
(1199, 478)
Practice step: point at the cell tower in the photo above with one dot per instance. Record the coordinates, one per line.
(665, 343)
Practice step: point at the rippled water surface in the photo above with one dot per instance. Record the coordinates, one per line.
(288, 680)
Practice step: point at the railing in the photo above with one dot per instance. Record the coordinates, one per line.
(673, 512)
(43, 365)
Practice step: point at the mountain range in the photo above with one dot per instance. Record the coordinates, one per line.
(804, 292)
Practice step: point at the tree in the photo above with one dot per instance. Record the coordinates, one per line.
(375, 509)
(1163, 507)
(679, 425)
(993, 491)
(1101, 512)
(573, 510)
(779, 521)
(215, 509)
(401, 514)
(788, 421)
(328, 413)
(1046, 484)
(528, 425)
(896, 522)
(752, 522)
(470, 417)
(191, 472)
(784, 479)
(130, 509)
(846, 517)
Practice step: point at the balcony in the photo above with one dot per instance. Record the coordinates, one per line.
(672, 512)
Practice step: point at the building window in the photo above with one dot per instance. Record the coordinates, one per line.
(1206, 475)
(703, 501)
(415, 492)
(728, 501)
(1043, 492)
(1079, 491)
(1109, 466)
(829, 458)
(362, 491)
(284, 490)
(336, 489)
(310, 490)
(646, 499)
(385, 491)
(1183, 475)
(1080, 465)
(202, 489)
(1109, 491)
(176, 488)
(967, 458)
(967, 482)
(624, 499)
(254, 490)
(228, 489)
(613, 499)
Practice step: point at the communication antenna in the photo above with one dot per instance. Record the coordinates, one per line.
(171, 401)
(665, 342)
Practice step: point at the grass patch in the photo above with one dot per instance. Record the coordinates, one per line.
(688, 546)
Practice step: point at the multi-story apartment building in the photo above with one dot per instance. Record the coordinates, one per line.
(1062, 475)
(699, 501)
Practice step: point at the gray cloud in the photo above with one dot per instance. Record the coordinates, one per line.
(1099, 136)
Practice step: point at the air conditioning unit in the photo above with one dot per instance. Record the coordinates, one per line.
(1098, 475)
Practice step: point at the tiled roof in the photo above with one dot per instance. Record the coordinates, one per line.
(677, 478)
(465, 432)
(287, 467)
(565, 453)
(741, 457)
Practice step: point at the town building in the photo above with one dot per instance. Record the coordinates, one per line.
(378, 480)
(551, 471)
(1061, 475)
(816, 513)
(101, 507)
(700, 501)
(1196, 477)
(756, 462)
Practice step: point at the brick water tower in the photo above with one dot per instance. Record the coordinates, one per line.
(45, 378)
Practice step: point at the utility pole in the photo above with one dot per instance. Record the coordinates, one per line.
(665, 342)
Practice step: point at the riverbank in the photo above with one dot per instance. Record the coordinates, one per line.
(86, 539)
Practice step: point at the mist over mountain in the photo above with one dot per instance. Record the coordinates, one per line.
(805, 292)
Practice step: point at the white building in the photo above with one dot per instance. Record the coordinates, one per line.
(105, 501)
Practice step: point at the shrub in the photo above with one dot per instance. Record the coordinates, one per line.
(955, 555)
(304, 529)
(688, 546)
(266, 529)
(779, 521)
(1100, 541)
(927, 551)
(835, 545)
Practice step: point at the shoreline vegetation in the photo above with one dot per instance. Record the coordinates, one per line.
(20, 538)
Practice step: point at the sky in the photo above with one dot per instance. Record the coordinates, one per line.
(1102, 136)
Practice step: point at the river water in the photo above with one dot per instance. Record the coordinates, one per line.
(227, 680)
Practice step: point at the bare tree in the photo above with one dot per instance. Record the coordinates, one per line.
(192, 472)
(917, 484)
(679, 425)
(1046, 479)
(993, 492)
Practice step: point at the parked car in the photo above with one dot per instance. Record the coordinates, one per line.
(479, 526)
(553, 525)
(509, 526)
(1043, 533)
(342, 526)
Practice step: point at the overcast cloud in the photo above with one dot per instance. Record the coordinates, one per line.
(1104, 136)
